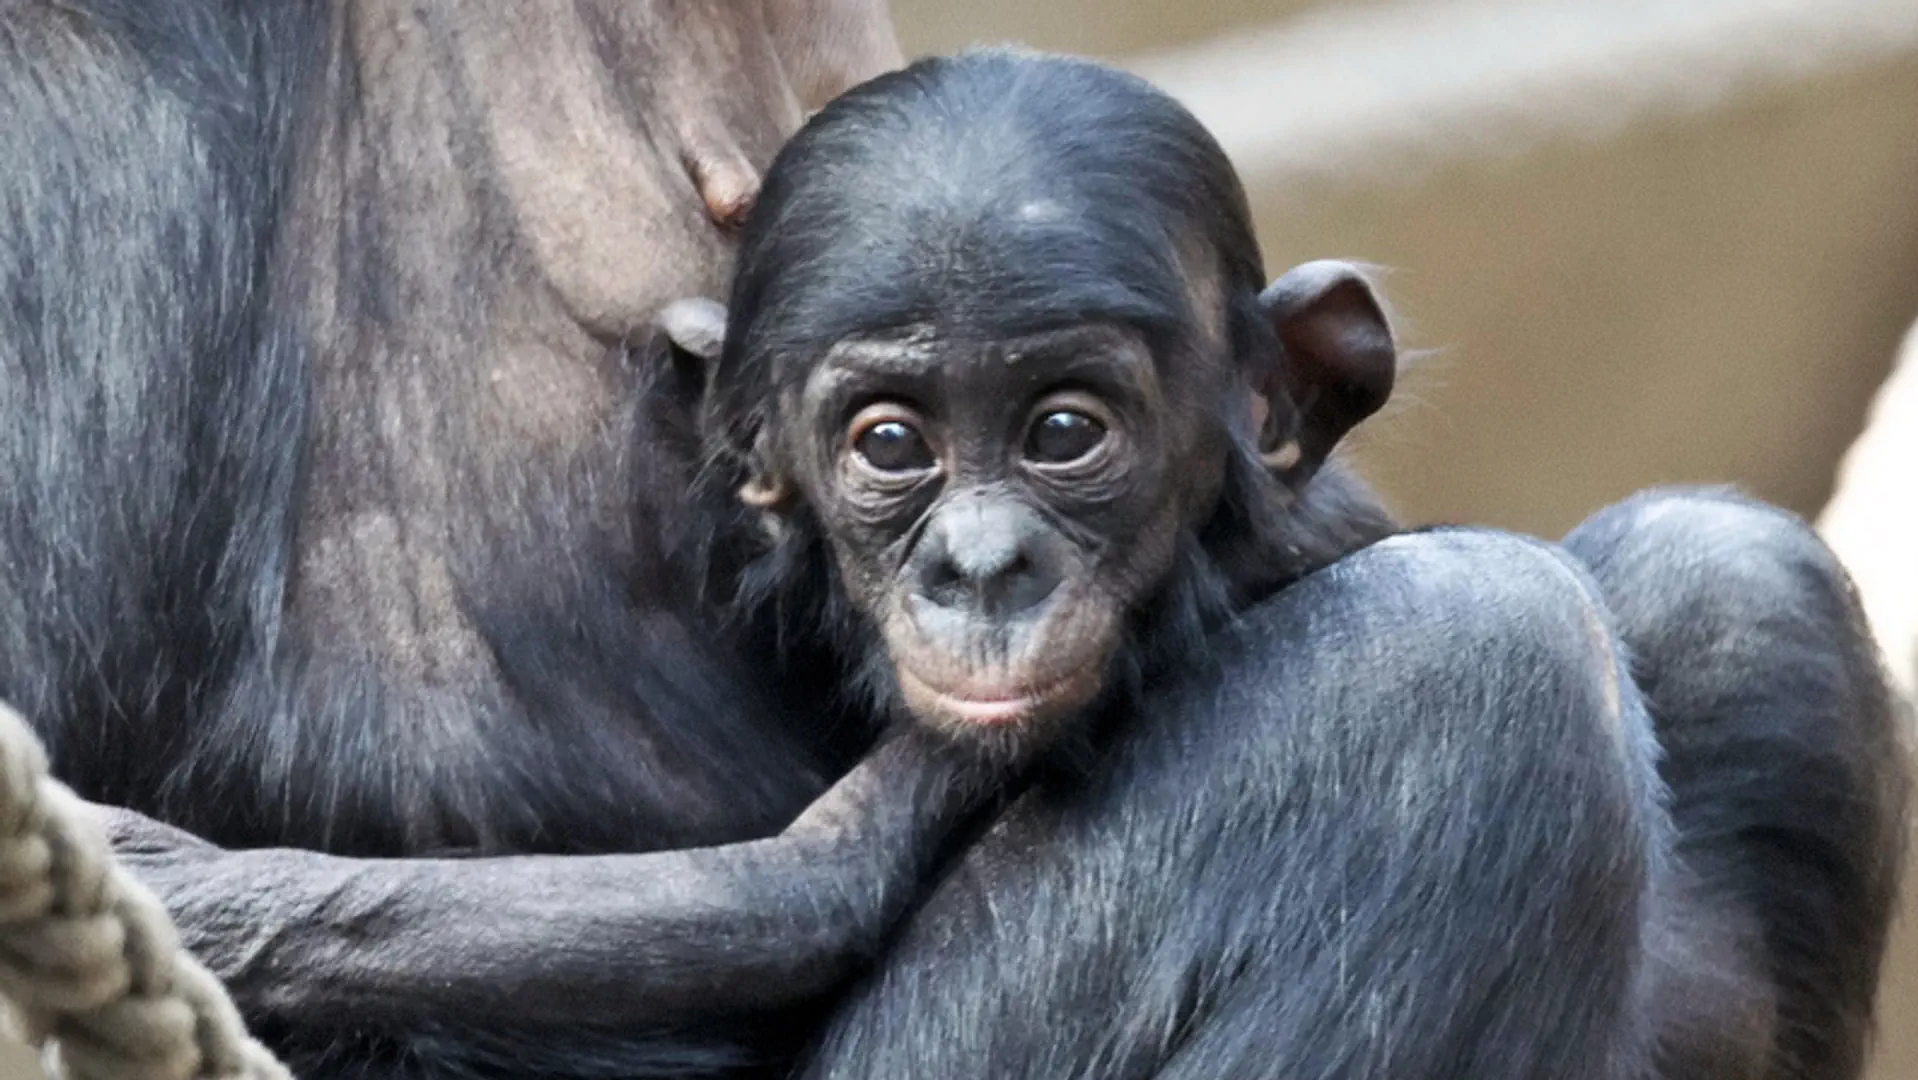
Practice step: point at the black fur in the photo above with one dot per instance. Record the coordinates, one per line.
(1262, 895)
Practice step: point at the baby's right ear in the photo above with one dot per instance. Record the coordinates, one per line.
(695, 330)
(690, 333)
(695, 326)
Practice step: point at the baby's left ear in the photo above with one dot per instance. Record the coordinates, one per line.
(1337, 369)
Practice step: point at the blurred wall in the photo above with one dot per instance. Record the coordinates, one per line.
(1690, 262)
(1090, 27)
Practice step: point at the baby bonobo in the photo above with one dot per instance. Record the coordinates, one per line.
(1013, 371)
(1018, 433)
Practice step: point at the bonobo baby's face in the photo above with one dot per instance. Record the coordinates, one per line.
(999, 338)
(998, 504)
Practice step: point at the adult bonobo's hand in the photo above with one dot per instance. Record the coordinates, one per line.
(163, 856)
(620, 940)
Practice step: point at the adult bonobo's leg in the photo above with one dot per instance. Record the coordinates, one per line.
(1402, 823)
(1788, 778)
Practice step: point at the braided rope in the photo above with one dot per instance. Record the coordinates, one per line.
(88, 957)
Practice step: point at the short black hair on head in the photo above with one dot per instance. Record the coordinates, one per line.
(997, 191)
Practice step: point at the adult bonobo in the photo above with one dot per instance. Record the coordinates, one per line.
(328, 520)
(1029, 443)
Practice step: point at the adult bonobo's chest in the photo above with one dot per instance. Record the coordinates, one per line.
(367, 554)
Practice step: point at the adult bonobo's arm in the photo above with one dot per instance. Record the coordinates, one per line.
(625, 939)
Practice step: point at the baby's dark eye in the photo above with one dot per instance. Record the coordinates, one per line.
(893, 446)
(1063, 436)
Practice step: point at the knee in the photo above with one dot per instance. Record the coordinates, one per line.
(1502, 627)
(1490, 594)
(1707, 562)
(1466, 680)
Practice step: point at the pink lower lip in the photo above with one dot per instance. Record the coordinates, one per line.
(989, 711)
(985, 710)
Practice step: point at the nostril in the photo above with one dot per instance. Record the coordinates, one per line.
(988, 558)
(1007, 588)
(1022, 587)
(943, 584)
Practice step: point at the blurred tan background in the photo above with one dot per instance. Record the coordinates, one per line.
(1652, 241)
(1647, 240)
